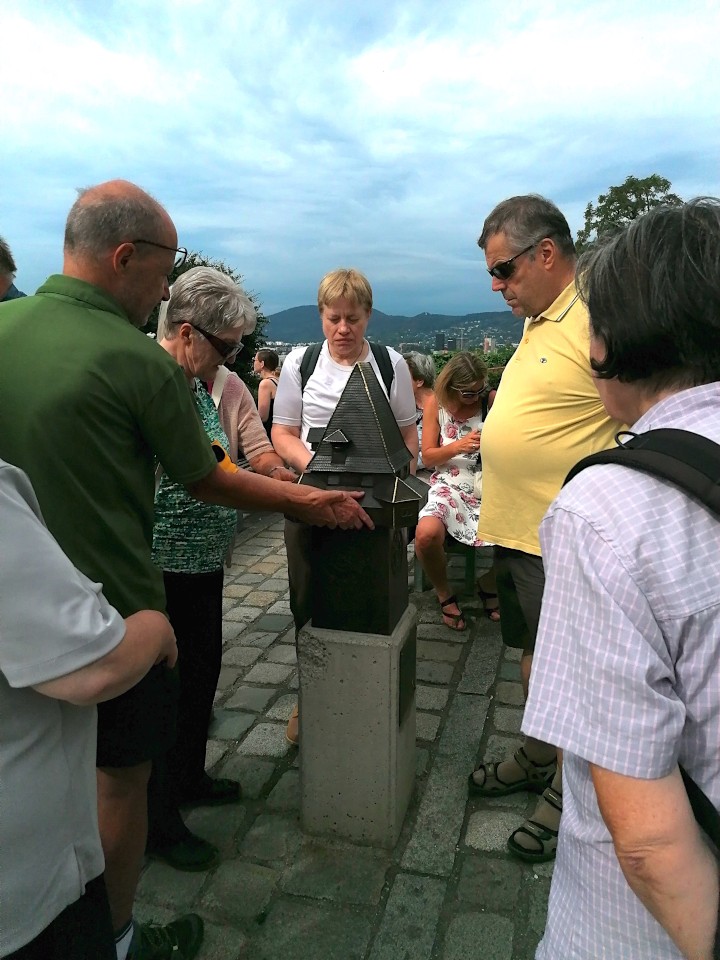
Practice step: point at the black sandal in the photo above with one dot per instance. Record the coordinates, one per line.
(545, 838)
(457, 618)
(492, 613)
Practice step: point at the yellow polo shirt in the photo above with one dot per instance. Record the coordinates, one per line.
(547, 415)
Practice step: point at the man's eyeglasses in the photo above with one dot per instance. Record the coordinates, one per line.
(180, 251)
(506, 268)
(469, 394)
(225, 349)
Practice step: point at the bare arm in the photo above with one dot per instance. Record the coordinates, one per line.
(265, 395)
(433, 453)
(662, 854)
(290, 447)
(270, 465)
(245, 490)
(148, 639)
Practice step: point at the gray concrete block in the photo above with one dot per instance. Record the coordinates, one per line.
(431, 672)
(274, 622)
(251, 698)
(432, 845)
(507, 719)
(430, 698)
(481, 666)
(432, 650)
(357, 783)
(509, 670)
(422, 757)
(218, 825)
(237, 656)
(272, 839)
(463, 730)
(238, 891)
(228, 676)
(410, 919)
(268, 673)
(256, 638)
(214, 752)
(162, 885)
(324, 870)
(513, 653)
(243, 614)
(266, 740)
(252, 773)
(539, 894)
(285, 795)
(512, 693)
(282, 708)
(276, 583)
(489, 829)
(280, 607)
(490, 884)
(302, 930)
(282, 653)
(426, 726)
(230, 725)
(249, 578)
(481, 935)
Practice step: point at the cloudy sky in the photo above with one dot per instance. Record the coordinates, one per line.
(290, 137)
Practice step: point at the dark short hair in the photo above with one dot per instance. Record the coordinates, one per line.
(269, 358)
(528, 219)
(653, 295)
(7, 263)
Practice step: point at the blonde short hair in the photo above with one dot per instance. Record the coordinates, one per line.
(347, 283)
(463, 370)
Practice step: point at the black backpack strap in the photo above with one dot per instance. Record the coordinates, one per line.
(684, 458)
(382, 358)
(703, 809)
(308, 363)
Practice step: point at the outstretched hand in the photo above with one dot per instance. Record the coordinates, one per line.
(349, 514)
(332, 508)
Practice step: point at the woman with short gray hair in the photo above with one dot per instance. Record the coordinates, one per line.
(422, 374)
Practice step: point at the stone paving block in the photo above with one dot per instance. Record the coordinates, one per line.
(410, 919)
(269, 673)
(509, 670)
(238, 890)
(252, 773)
(501, 748)
(266, 740)
(168, 887)
(463, 730)
(283, 653)
(214, 752)
(432, 845)
(490, 884)
(324, 870)
(426, 726)
(236, 590)
(432, 650)
(272, 839)
(274, 622)
(243, 614)
(430, 672)
(256, 638)
(222, 943)
(280, 607)
(302, 930)
(438, 631)
(506, 692)
(481, 935)
(481, 666)
(294, 681)
(218, 825)
(276, 584)
(254, 549)
(422, 758)
(251, 698)
(430, 698)
(228, 676)
(507, 719)
(489, 829)
(237, 656)
(539, 894)
(228, 725)
(230, 630)
(250, 578)
(513, 653)
(285, 795)
(282, 708)
(269, 566)
(261, 598)
(543, 869)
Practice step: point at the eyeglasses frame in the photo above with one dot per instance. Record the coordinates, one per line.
(506, 268)
(181, 252)
(225, 349)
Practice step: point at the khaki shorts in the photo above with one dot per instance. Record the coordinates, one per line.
(520, 581)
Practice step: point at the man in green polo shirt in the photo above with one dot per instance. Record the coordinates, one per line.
(87, 405)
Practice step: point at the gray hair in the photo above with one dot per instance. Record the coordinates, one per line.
(209, 298)
(7, 263)
(526, 220)
(103, 222)
(422, 367)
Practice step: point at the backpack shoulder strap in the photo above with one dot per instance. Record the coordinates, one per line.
(382, 358)
(308, 363)
(684, 458)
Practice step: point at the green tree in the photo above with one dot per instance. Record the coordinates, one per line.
(620, 205)
(243, 362)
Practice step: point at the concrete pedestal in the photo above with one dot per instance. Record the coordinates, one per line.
(357, 730)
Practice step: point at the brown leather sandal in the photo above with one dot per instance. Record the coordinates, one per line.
(544, 838)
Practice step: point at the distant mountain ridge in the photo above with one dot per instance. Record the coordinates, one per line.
(302, 325)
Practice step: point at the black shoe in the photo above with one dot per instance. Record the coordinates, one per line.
(179, 940)
(186, 852)
(211, 793)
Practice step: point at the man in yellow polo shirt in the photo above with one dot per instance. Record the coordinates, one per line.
(547, 415)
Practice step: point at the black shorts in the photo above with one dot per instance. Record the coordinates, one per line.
(520, 581)
(139, 725)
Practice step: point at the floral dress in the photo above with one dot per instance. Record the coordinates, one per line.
(451, 498)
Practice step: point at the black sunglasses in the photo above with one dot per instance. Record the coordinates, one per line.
(180, 251)
(225, 349)
(506, 268)
(469, 394)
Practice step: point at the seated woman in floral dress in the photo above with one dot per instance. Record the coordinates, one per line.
(452, 424)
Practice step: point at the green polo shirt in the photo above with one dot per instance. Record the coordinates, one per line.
(87, 402)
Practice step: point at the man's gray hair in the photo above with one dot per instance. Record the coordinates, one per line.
(104, 222)
(422, 367)
(7, 263)
(209, 298)
(527, 220)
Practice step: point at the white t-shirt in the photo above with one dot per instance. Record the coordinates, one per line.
(324, 387)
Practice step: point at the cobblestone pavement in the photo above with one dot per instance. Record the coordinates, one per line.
(449, 890)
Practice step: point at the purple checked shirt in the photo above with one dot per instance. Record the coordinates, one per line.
(626, 673)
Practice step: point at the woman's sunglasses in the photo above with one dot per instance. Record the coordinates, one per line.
(469, 394)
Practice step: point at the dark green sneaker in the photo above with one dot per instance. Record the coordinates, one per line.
(179, 940)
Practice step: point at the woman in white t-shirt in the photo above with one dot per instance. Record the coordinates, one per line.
(345, 305)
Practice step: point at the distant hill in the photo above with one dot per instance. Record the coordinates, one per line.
(302, 325)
